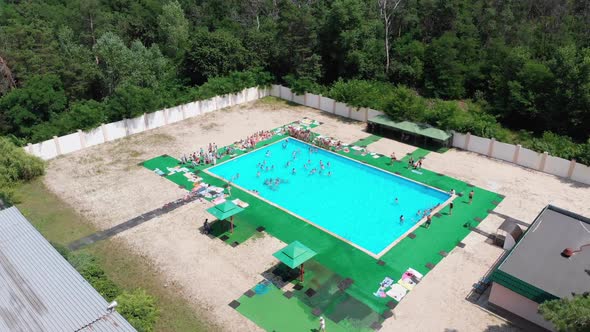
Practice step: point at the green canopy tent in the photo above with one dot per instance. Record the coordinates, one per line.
(294, 255)
(225, 210)
(382, 124)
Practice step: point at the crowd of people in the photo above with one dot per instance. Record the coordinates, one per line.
(299, 133)
(203, 156)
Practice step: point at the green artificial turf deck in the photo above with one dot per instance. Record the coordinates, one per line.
(364, 142)
(335, 255)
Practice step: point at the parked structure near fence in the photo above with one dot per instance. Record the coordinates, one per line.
(488, 147)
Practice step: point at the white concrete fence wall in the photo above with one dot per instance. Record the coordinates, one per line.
(489, 147)
(111, 131)
(524, 157)
(107, 132)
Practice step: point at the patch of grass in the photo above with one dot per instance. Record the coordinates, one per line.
(50, 215)
(59, 223)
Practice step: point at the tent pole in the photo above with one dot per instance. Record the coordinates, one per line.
(302, 272)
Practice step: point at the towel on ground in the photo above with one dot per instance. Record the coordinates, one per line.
(218, 200)
(415, 171)
(406, 285)
(416, 274)
(240, 203)
(387, 282)
(397, 292)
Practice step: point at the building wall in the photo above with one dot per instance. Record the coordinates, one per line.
(518, 305)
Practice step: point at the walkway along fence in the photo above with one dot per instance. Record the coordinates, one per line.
(108, 132)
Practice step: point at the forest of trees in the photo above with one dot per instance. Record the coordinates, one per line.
(523, 65)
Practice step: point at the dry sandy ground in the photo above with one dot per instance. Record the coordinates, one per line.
(105, 184)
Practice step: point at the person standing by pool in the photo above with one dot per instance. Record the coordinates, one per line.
(322, 324)
(428, 221)
(471, 193)
(451, 209)
(393, 158)
(410, 162)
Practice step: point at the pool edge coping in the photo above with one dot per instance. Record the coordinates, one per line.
(366, 251)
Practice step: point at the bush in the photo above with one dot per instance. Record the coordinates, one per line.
(139, 309)
(233, 83)
(571, 315)
(302, 85)
(16, 166)
(360, 93)
(89, 268)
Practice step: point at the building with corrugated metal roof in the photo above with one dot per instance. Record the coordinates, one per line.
(41, 291)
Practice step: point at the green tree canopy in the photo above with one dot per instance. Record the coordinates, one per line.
(568, 315)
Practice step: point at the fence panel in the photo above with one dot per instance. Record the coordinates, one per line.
(116, 130)
(192, 109)
(504, 151)
(342, 109)
(581, 173)
(358, 114)
(479, 144)
(285, 93)
(155, 119)
(373, 113)
(207, 105)
(327, 104)
(241, 97)
(275, 90)
(174, 114)
(299, 99)
(94, 137)
(223, 101)
(459, 140)
(136, 125)
(251, 94)
(46, 149)
(69, 143)
(556, 166)
(312, 100)
(529, 158)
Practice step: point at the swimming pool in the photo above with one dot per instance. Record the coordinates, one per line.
(348, 199)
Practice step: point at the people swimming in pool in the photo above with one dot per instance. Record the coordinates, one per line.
(258, 174)
(329, 173)
(268, 154)
(294, 171)
(401, 219)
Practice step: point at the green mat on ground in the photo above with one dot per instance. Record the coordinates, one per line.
(367, 140)
(344, 260)
(274, 312)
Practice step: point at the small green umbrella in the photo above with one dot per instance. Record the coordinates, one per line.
(225, 210)
(294, 255)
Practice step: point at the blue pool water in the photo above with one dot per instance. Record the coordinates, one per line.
(354, 201)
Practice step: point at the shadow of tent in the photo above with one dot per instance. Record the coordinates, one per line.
(220, 227)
